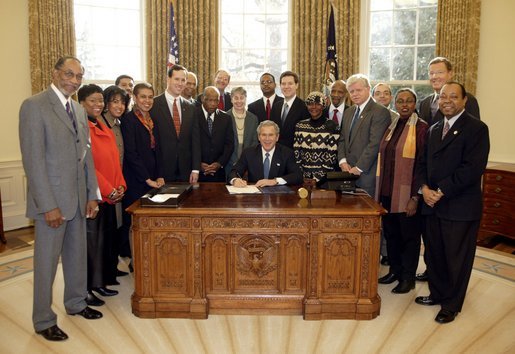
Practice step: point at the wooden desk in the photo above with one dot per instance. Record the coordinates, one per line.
(257, 254)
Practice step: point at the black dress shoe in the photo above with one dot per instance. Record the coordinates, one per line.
(404, 286)
(53, 333)
(113, 282)
(385, 260)
(426, 301)
(388, 278)
(105, 291)
(445, 316)
(89, 314)
(92, 300)
(121, 273)
(421, 276)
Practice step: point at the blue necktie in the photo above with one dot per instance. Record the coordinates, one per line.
(209, 124)
(266, 166)
(354, 120)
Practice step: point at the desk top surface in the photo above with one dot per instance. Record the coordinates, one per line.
(214, 198)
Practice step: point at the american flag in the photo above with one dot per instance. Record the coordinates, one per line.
(173, 53)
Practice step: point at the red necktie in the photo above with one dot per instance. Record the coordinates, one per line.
(268, 108)
(176, 118)
(221, 102)
(335, 116)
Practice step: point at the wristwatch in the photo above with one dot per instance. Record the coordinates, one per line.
(415, 198)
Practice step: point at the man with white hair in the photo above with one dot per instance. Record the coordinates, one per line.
(363, 127)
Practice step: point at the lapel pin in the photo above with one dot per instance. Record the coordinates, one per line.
(455, 132)
(278, 164)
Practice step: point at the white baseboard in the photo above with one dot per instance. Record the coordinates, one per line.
(13, 185)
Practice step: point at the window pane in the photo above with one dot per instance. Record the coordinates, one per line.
(254, 26)
(427, 26)
(381, 28)
(425, 54)
(380, 64)
(381, 5)
(232, 31)
(403, 62)
(398, 4)
(231, 60)
(277, 31)
(231, 6)
(404, 26)
(106, 45)
(276, 61)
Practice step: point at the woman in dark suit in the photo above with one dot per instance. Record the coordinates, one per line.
(140, 167)
(397, 190)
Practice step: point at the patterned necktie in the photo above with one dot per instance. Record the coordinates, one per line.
(335, 116)
(210, 124)
(354, 120)
(70, 115)
(434, 105)
(221, 103)
(285, 112)
(176, 117)
(446, 128)
(268, 108)
(266, 166)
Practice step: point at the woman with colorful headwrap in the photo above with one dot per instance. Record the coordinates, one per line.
(316, 140)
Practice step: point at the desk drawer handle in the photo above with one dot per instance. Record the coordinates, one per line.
(497, 204)
(496, 222)
(498, 190)
(498, 177)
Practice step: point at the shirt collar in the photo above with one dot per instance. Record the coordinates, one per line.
(340, 108)
(206, 114)
(60, 95)
(453, 119)
(271, 98)
(290, 101)
(271, 153)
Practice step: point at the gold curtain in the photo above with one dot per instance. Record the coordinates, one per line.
(51, 36)
(457, 38)
(309, 35)
(196, 23)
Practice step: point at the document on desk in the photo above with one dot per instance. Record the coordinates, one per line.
(243, 190)
(161, 198)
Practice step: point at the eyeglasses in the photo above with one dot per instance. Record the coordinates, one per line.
(266, 82)
(436, 73)
(70, 75)
(399, 102)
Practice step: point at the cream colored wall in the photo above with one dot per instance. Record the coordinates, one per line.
(14, 73)
(496, 75)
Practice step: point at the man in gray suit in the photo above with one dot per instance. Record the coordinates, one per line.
(363, 127)
(62, 193)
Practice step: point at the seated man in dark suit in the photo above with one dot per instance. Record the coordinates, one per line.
(216, 137)
(267, 164)
(270, 105)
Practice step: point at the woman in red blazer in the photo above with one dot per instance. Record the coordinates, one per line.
(102, 257)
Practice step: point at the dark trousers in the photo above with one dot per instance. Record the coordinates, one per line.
(402, 236)
(100, 244)
(450, 250)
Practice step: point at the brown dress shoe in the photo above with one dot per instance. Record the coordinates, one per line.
(53, 333)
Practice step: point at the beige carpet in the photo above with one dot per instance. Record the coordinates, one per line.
(486, 324)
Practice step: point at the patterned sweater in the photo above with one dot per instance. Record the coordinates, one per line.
(315, 146)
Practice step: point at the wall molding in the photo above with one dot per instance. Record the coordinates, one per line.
(13, 184)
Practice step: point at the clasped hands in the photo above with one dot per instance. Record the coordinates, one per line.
(116, 195)
(347, 168)
(210, 169)
(431, 197)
